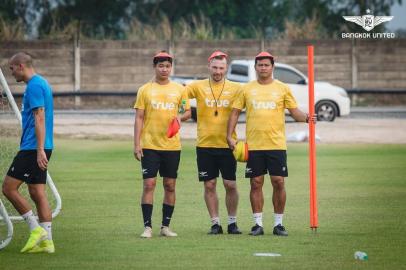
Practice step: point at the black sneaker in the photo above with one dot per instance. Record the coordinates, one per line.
(256, 230)
(216, 229)
(233, 229)
(280, 230)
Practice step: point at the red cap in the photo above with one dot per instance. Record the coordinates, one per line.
(163, 55)
(264, 55)
(216, 54)
(173, 128)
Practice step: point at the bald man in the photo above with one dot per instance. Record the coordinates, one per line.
(30, 164)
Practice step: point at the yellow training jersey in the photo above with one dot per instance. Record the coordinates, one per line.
(160, 104)
(212, 128)
(265, 111)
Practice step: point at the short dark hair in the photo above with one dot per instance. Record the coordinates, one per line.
(22, 58)
(265, 57)
(161, 59)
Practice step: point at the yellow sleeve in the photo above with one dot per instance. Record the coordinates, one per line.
(290, 101)
(185, 97)
(191, 90)
(239, 101)
(140, 102)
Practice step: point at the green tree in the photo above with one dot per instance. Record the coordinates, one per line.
(8, 10)
(337, 9)
(240, 15)
(97, 18)
(102, 19)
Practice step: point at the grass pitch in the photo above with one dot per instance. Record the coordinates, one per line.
(362, 206)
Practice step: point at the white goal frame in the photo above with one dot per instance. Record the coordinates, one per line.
(7, 222)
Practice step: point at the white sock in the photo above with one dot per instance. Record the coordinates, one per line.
(232, 219)
(215, 220)
(48, 227)
(31, 220)
(278, 219)
(258, 218)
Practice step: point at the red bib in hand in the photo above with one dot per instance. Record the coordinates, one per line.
(173, 128)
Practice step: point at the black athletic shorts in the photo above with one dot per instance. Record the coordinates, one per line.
(25, 167)
(211, 161)
(261, 161)
(166, 162)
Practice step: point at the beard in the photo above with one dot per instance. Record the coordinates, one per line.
(217, 78)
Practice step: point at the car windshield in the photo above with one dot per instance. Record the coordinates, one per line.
(287, 76)
(240, 70)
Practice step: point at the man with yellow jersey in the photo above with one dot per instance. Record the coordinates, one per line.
(214, 97)
(265, 100)
(157, 104)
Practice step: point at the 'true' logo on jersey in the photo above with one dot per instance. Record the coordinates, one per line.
(159, 105)
(267, 105)
(220, 103)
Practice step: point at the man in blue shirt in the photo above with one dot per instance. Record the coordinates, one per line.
(31, 162)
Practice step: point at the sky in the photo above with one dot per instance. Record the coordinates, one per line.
(399, 21)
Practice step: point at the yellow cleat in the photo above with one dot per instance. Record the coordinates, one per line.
(36, 236)
(46, 246)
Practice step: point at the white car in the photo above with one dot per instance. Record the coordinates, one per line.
(330, 100)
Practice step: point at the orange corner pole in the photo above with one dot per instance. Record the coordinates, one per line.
(312, 143)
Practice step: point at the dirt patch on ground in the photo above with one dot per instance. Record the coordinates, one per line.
(343, 130)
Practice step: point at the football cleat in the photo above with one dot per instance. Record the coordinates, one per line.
(216, 229)
(45, 246)
(280, 230)
(233, 229)
(256, 230)
(36, 236)
(165, 231)
(147, 232)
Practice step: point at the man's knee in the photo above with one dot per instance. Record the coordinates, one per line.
(169, 187)
(8, 188)
(37, 192)
(278, 182)
(230, 186)
(257, 183)
(5, 190)
(149, 185)
(210, 186)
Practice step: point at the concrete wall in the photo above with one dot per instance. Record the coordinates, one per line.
(54, 60)
(125, 65)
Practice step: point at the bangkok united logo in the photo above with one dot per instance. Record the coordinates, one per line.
(368, 21)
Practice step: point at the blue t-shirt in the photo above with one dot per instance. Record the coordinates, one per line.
(37, 94)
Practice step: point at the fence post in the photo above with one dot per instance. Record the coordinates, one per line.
(76, 53)
(171, 51)
(354, 70)
(262, 44)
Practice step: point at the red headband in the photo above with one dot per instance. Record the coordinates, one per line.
(217, 54)
(264, 55)
(163, 55)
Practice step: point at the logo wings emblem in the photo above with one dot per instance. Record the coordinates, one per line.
(368, 22)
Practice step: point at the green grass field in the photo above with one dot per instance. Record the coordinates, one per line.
(362, 206)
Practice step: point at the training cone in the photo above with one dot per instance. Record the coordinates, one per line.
(173, 128)
(241, 151)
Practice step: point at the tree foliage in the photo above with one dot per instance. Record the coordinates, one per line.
(116, 19)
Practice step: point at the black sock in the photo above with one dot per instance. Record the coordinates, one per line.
(167, 211)
(147, 214)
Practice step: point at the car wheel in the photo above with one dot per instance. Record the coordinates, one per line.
(194, 114)
(326, 111)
